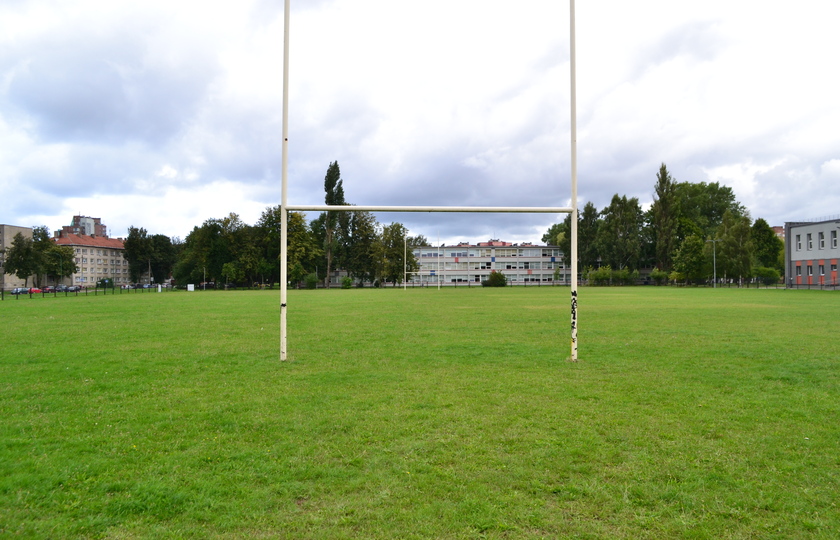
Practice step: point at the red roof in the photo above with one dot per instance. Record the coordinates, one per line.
(89, 241)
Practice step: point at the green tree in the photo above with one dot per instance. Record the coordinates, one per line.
(21, 258)
(588, 224)
(303, 251)
(690, 259)
(735, 250)
(363, 253)
(335, 223)
(705, 203)
(163, 257)
(396, 257)
(665, 212)
(59, 262)
(556, 233)
(619, 236)
(766, 245)
(138, 252)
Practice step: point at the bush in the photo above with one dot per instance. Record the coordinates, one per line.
(659, 276)
(346, 282)
(495, 279)
(601, 276)
(311, 281)
(767, 276)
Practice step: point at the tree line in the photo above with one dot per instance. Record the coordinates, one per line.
(227, 250)
(690, 233)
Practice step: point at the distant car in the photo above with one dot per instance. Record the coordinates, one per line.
(20, 290)
(74, 288)
(34, 290)
(61, 288)
(48, 289)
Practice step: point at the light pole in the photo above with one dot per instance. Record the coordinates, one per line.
(714, 242)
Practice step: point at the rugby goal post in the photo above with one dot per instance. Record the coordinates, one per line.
(285, 208)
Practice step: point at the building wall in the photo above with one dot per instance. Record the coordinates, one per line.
(812, 252)
(468, 264)
(7, 236)
(97, 258)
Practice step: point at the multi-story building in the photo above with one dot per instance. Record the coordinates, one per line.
(523, 264)
(84, 225)
(97, 258)
(811, 253)
(7, 236)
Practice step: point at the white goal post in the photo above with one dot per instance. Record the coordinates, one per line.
(285, 208)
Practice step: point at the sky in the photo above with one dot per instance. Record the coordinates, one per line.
(162, 114)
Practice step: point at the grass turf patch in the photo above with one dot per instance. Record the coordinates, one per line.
(422, 413)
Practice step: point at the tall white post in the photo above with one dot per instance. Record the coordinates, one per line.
(574, 213)
(284, 213)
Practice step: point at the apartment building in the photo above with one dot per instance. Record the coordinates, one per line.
(97, 258)
(465, 263)
(7, 236)
(811, 253)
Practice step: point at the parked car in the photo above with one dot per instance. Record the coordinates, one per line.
(34, 290)
(20, 290)
(48, 289)
(61, 288)
(74, 288)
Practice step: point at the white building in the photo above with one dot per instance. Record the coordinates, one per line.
(464, 264)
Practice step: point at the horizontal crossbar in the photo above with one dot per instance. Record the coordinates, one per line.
(485, 209)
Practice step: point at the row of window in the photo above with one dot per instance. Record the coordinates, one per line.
(487, 265)
(84, 270)
(810, 269)
(84, 260)
(500, 252)
(111, 252)
(820, 240)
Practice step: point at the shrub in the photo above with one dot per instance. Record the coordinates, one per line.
(346, 282)
(495, 279)
(311, 281)
(601, 276)
(659, 276)
(767, 276)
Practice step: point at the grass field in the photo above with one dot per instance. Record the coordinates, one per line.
(693, 413)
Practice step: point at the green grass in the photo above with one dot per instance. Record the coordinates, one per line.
(693, 413)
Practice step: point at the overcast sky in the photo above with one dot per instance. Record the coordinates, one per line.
(162, 114)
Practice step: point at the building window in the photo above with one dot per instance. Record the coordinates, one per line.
(833, 267)
(810, 270)
(810, 242)
(798, 242)
(822, 269)
(834, 239)
(821, 237)
(798, 270)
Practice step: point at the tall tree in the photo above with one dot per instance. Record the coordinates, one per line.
(59, 262)
(138, 252)
(690, 259)
(396, 257)
(364, 241)
(735, 247)
(665, 212)
(163, 257)
(705, 203)
(766, 245)
(619, 236)
(334, 196)
(588, 223)
(21, 258)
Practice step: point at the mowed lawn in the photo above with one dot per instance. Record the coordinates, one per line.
(693, 413)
